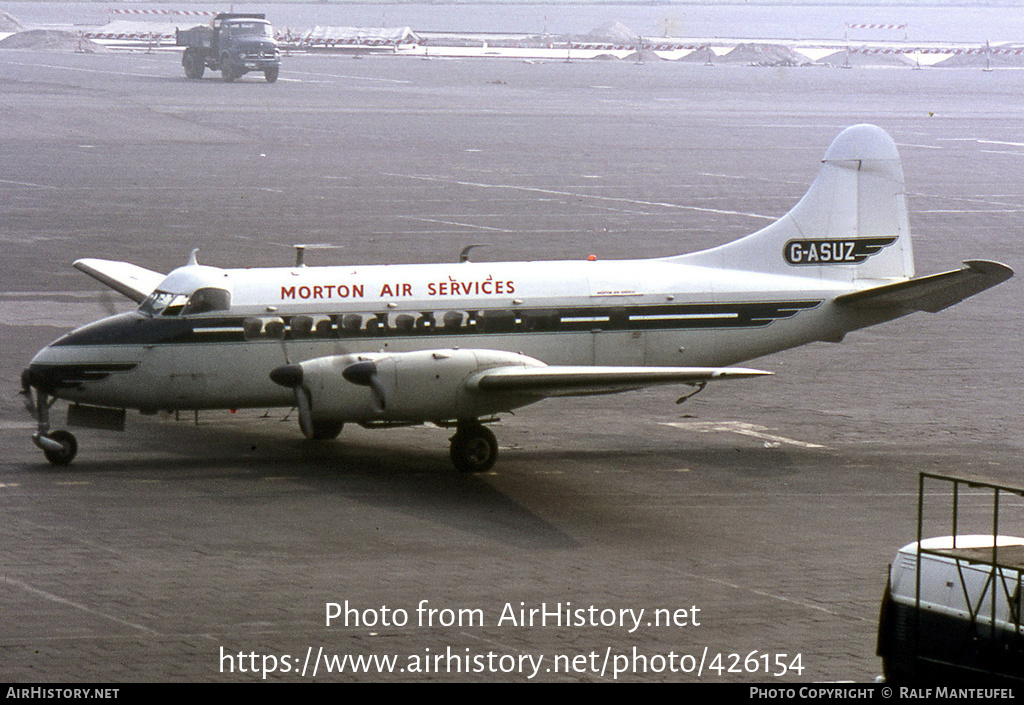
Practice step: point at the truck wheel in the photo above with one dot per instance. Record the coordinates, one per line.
(193, 63)
(271, 74)
(227, 71)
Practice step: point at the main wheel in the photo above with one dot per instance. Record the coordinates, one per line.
(325, 430)
(473, 448)
(68, 451)
(271, 74)
(193, 63)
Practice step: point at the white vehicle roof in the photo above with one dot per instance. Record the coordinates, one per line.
(939, 543)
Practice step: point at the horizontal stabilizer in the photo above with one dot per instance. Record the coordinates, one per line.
(932, 293)
(575, 381)
(134, 282)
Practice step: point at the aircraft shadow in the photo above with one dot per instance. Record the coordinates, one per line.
(421, 484)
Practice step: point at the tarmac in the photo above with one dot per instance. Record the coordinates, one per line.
(752, 525)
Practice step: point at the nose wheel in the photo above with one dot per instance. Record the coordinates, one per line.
(473, 448)
(59, 447)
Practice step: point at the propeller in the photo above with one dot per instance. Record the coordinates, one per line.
(107, 302)
(290, 375)
(364, 373)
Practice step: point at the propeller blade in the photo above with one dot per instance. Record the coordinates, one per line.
(291, 376)
(365, 375)
(305, 406)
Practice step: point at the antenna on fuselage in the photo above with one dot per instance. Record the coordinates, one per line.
(464, 255)
(300, 251)
(193, 258)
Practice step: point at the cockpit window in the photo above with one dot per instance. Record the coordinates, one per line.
(248, 28)
(163, 303)
(207, 299)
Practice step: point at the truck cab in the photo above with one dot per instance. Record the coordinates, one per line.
(233, 44)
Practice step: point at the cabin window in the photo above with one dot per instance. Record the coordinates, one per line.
(618, 317)
(426, 322)
(256, 328)
(323, 327)
(207, 299)
(351, 323)
(252, 328)
(499, 321)
(404, 323)
(274, 328)
(377, 325)
(301, 326)
(452, 320)
(540, 320)
(311, 327)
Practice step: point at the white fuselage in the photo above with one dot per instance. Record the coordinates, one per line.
(616, 313)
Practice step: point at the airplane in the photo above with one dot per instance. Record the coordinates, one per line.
(457, 344)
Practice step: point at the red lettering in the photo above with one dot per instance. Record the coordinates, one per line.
(288, 292)
(318, 292)
(386, 290)
(406, 289)
(303, 292)
(463, 288)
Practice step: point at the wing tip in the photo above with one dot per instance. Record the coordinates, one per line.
(739, 373)
(989, 268)
(125, 278)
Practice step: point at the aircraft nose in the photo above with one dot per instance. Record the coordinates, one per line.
(54, 376)
(287, 375)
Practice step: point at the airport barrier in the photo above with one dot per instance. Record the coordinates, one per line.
(403, 40)
(179, 13)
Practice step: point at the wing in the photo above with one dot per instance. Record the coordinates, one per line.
(577, 381)
(134, 282)
(932, 293)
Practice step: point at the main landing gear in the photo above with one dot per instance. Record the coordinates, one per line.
(59, 447)
(473, 447)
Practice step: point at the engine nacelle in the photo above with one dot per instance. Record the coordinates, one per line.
(425, 385)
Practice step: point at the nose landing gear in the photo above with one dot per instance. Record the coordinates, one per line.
(59, 447)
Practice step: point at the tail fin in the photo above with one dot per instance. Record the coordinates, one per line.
(851, 224)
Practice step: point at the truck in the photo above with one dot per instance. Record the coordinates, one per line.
(234, 44)
(951, 611)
